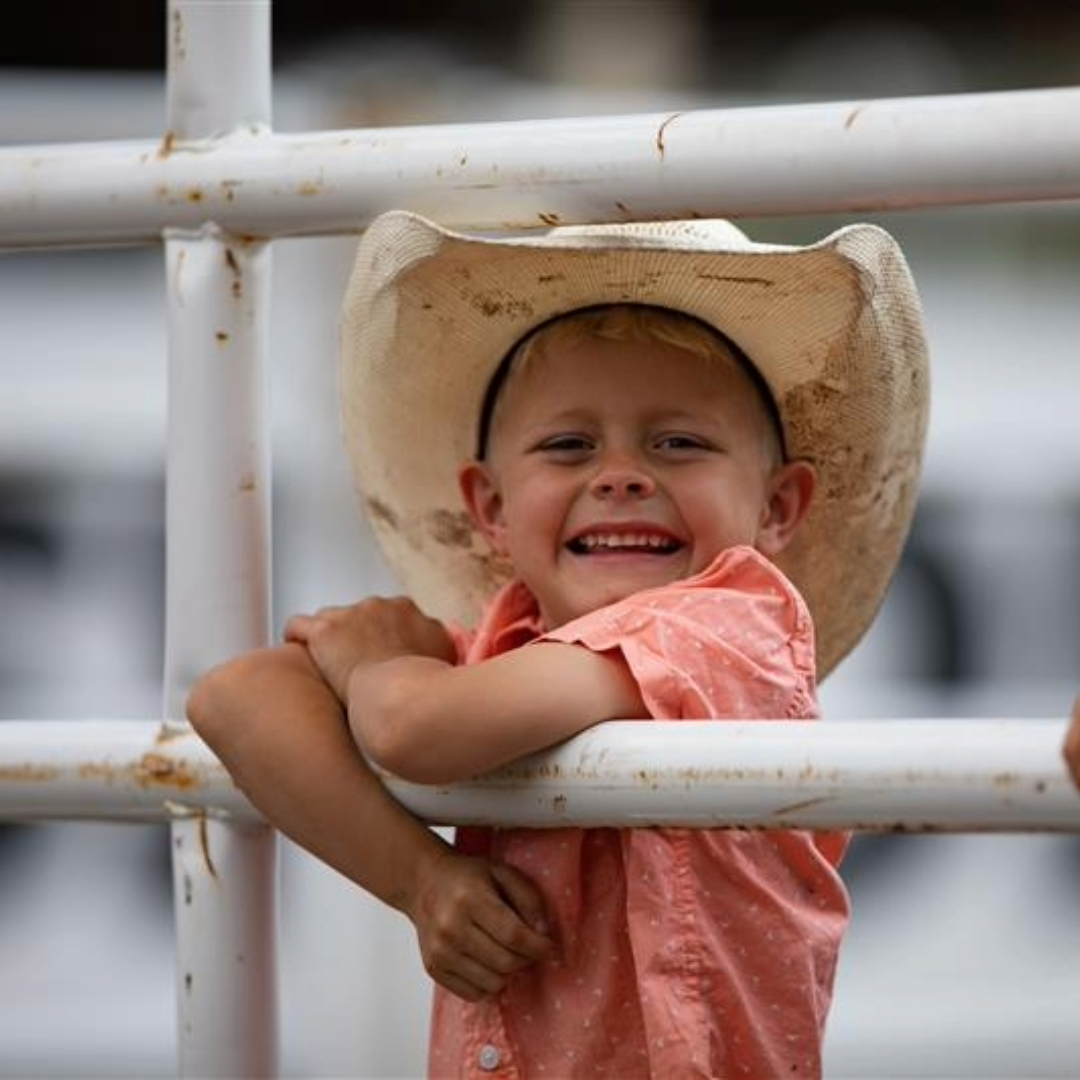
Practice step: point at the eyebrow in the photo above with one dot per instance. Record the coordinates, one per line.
(741, 359)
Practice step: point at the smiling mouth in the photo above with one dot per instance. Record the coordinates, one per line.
(636, 543)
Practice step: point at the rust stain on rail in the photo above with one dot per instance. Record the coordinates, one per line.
(179, 36)
(204, 846)
(233, 263)
(849, 123)
(152, 770)
(25, 772)
(170, 732)
(168, 144)
(806, 804)
(660, 133)
(158, 770)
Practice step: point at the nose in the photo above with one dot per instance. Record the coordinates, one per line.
(622, 476)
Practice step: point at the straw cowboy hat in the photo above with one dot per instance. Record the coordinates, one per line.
(835, 329)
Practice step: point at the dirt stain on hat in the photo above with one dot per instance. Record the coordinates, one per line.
(494, 304)
(452, 529)
(381, 514)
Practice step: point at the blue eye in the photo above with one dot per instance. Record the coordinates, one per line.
(680, 442)
(566, 444)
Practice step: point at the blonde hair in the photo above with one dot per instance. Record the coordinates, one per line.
(638, 323)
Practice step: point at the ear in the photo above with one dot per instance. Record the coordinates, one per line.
(482, 496)
(788, 495)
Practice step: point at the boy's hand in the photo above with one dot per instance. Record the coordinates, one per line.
(1071, 749)
(341, 638)
(478, 923)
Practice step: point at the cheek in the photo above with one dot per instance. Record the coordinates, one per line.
(716, 506)
(537, 510)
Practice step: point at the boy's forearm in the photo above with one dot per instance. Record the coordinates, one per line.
(282, 734)
(431, 722)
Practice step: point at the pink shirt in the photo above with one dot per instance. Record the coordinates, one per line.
(683, 953)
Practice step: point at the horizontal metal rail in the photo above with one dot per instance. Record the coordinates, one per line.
(881, 775)
(116, 770)
(840, 156)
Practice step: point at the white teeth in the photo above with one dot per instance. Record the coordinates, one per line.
(593, 541)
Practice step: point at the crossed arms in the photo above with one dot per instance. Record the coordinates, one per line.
(293, 724)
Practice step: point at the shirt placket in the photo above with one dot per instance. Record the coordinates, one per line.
(488, 1051)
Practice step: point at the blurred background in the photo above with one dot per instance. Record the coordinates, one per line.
(964, 954)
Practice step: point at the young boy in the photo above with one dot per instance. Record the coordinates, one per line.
(664, 430)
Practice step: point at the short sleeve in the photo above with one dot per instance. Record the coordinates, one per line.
(734, 642)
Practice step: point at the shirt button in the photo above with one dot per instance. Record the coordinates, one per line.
(489, 1058)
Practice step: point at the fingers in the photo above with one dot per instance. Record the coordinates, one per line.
(474, 965)
(298, 629)
(523, 896)
(379, 626)
(301, 626)
(462, 987)
(472, 936)
(514, 944)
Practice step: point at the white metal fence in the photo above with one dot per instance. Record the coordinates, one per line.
(215, 190)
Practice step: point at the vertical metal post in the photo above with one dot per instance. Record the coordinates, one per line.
(218, 539)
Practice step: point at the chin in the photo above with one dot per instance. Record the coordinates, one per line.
(601, 598)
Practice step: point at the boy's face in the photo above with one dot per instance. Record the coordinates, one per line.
(620, 466)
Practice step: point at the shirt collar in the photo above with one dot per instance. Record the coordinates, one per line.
(511, 619)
